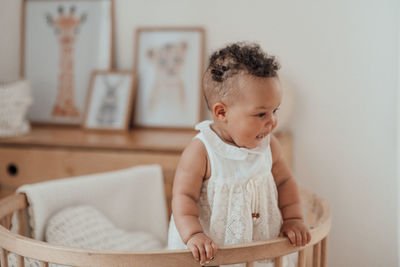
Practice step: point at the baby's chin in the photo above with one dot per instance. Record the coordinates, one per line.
(252, 144)
(257, 140)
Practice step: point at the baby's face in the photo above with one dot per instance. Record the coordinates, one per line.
(254, 115)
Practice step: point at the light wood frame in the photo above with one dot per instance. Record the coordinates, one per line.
(318, 215)
(129, 100)
(22, 58)
(199, 93)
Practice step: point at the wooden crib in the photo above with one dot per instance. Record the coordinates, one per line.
(316, 210)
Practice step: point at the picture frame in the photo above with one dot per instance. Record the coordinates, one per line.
(62, 42)
(169, 62)
(110, 100)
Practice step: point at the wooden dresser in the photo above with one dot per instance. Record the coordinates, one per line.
(48, 153)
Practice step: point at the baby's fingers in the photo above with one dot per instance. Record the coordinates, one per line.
(215, 248)
(292, 237)
(305, 236)
(202, 253)
(209, 251)
(195, 251)
(299, 238)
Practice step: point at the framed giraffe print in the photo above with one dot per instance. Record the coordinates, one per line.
(109, 102)
(169, 62)
(62, 43)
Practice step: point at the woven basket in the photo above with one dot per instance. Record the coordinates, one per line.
(15, 99)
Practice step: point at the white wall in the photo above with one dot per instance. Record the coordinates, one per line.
(9, 41)
(398, 134)
(340, 57)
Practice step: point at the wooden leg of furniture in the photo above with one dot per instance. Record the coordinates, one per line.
(317, 255)
(4, 258)
(302, 258)
(279, 262)
(324, 252)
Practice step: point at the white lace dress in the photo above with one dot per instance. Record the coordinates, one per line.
(238, 203)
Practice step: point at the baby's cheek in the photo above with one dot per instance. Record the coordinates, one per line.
(275, 123)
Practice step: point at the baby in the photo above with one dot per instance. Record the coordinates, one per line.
(232, 184)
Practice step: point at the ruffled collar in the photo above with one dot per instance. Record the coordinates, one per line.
(228, 150)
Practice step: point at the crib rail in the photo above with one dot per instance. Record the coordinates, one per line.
(25, 247)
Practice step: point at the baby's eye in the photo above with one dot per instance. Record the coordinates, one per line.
(260, 115)
(275, 110)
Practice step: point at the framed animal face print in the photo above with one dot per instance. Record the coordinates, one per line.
(62, 43)
(169, 64)
(110, 100)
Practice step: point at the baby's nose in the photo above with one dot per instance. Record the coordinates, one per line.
(268, 129)
(269, 119)
(270, 123)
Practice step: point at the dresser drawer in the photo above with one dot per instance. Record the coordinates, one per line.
(20, 166)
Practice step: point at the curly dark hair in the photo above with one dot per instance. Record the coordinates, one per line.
(236, 58)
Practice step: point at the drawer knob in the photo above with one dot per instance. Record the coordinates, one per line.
(12, 169)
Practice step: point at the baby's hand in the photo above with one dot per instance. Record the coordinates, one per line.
(202, 247)
(296, 231)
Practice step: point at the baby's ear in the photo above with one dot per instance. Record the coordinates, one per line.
(219, 111)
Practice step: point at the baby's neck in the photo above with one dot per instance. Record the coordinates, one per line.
(222, 133)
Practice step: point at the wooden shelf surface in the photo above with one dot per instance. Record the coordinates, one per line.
(160, 140)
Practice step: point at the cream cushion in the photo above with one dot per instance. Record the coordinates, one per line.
(86, 227)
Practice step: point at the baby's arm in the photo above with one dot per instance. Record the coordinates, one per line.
(288, 198)
(189, 177)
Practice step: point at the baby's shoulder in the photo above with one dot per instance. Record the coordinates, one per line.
(196, 146)
(194, 155)
(193, 159)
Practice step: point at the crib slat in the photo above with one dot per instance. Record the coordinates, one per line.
(302, 258)
(4, 258)
(44, 264)
(9, 221)
(21, 226)
(20, 260)
(279, 262)
(324, 252)
(250, 264)
(317, 255)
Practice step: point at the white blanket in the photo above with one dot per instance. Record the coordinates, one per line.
(133, 199)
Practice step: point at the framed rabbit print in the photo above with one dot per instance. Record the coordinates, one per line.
(109, 102)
